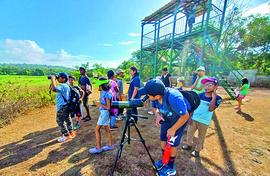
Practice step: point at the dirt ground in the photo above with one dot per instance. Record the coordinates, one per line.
(236, 144)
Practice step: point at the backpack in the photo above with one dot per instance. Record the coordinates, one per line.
(192, 97)
(73, 99)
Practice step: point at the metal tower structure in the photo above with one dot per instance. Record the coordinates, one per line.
(183, 35)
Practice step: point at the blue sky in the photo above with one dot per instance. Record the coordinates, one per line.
(71, 32)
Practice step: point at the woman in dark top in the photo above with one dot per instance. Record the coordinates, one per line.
(133, 89)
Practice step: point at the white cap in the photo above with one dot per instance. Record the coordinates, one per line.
(119, 71)
(201, 68)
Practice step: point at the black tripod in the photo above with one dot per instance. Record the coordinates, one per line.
(125, 138)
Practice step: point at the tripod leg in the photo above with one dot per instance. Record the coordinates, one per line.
(120, 146)
(143, 142)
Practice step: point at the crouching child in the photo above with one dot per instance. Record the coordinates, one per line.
(171, 111)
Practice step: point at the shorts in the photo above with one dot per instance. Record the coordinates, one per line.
(175, 141)
(77, 112)
(241, 97)
(104, 118)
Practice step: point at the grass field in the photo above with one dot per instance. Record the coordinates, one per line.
(21, 93)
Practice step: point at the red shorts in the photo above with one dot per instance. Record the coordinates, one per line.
(241, 97)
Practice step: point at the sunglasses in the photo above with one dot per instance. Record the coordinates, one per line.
(209, 84)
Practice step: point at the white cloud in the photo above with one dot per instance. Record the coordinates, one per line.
(107, 45)
(29, 52)
(26, 49)
(133, 34)
(127, 42)
(262, 9)
(112, 63)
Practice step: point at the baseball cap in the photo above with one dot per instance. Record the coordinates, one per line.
(152, 87)
(102, 80)
(119, 71)
(82, 68)
(209, 79)
(63, 75)
(201, 68)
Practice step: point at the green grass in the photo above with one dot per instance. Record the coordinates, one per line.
(21, 93)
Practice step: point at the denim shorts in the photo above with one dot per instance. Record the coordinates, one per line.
(104, 118)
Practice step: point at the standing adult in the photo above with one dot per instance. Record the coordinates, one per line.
(166, 78)
(191, 15)
(85, 84)
(198, 86)
(133, 89)
(120, 83)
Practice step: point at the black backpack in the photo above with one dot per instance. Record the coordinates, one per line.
(191, 96)
(73, 99)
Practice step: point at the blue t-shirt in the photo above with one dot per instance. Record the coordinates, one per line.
(62, 90)
(120, 86)
(135, 82)
(103, 96)
(83, 80)
(202, 113)
(177, 102)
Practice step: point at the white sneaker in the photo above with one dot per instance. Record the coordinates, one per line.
(119, 118)
(150, 112)
(63, 138)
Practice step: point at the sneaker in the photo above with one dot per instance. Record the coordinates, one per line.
(113, 128)
(166, 170)
(77, 126)
(95, 150)
(159, 164)
(186, 147)
(63, 138)
(195, 154)
(72, 134)
(107, 147)
(86, 118)
(150, 112)
(118, 118)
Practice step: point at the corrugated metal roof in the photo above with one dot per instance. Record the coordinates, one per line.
(170, 7)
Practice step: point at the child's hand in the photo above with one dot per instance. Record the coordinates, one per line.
(159, 119)
(214, 94)
(170, 132)
(97, 103)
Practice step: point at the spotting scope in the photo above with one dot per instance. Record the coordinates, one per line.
(129, 104)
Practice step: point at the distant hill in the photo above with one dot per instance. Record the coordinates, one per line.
(35, 66)
(31, 69)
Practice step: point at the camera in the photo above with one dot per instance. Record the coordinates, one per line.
(50, 76)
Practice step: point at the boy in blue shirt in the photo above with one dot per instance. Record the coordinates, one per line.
(62, 112)
(171, 110)
(202, 116)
